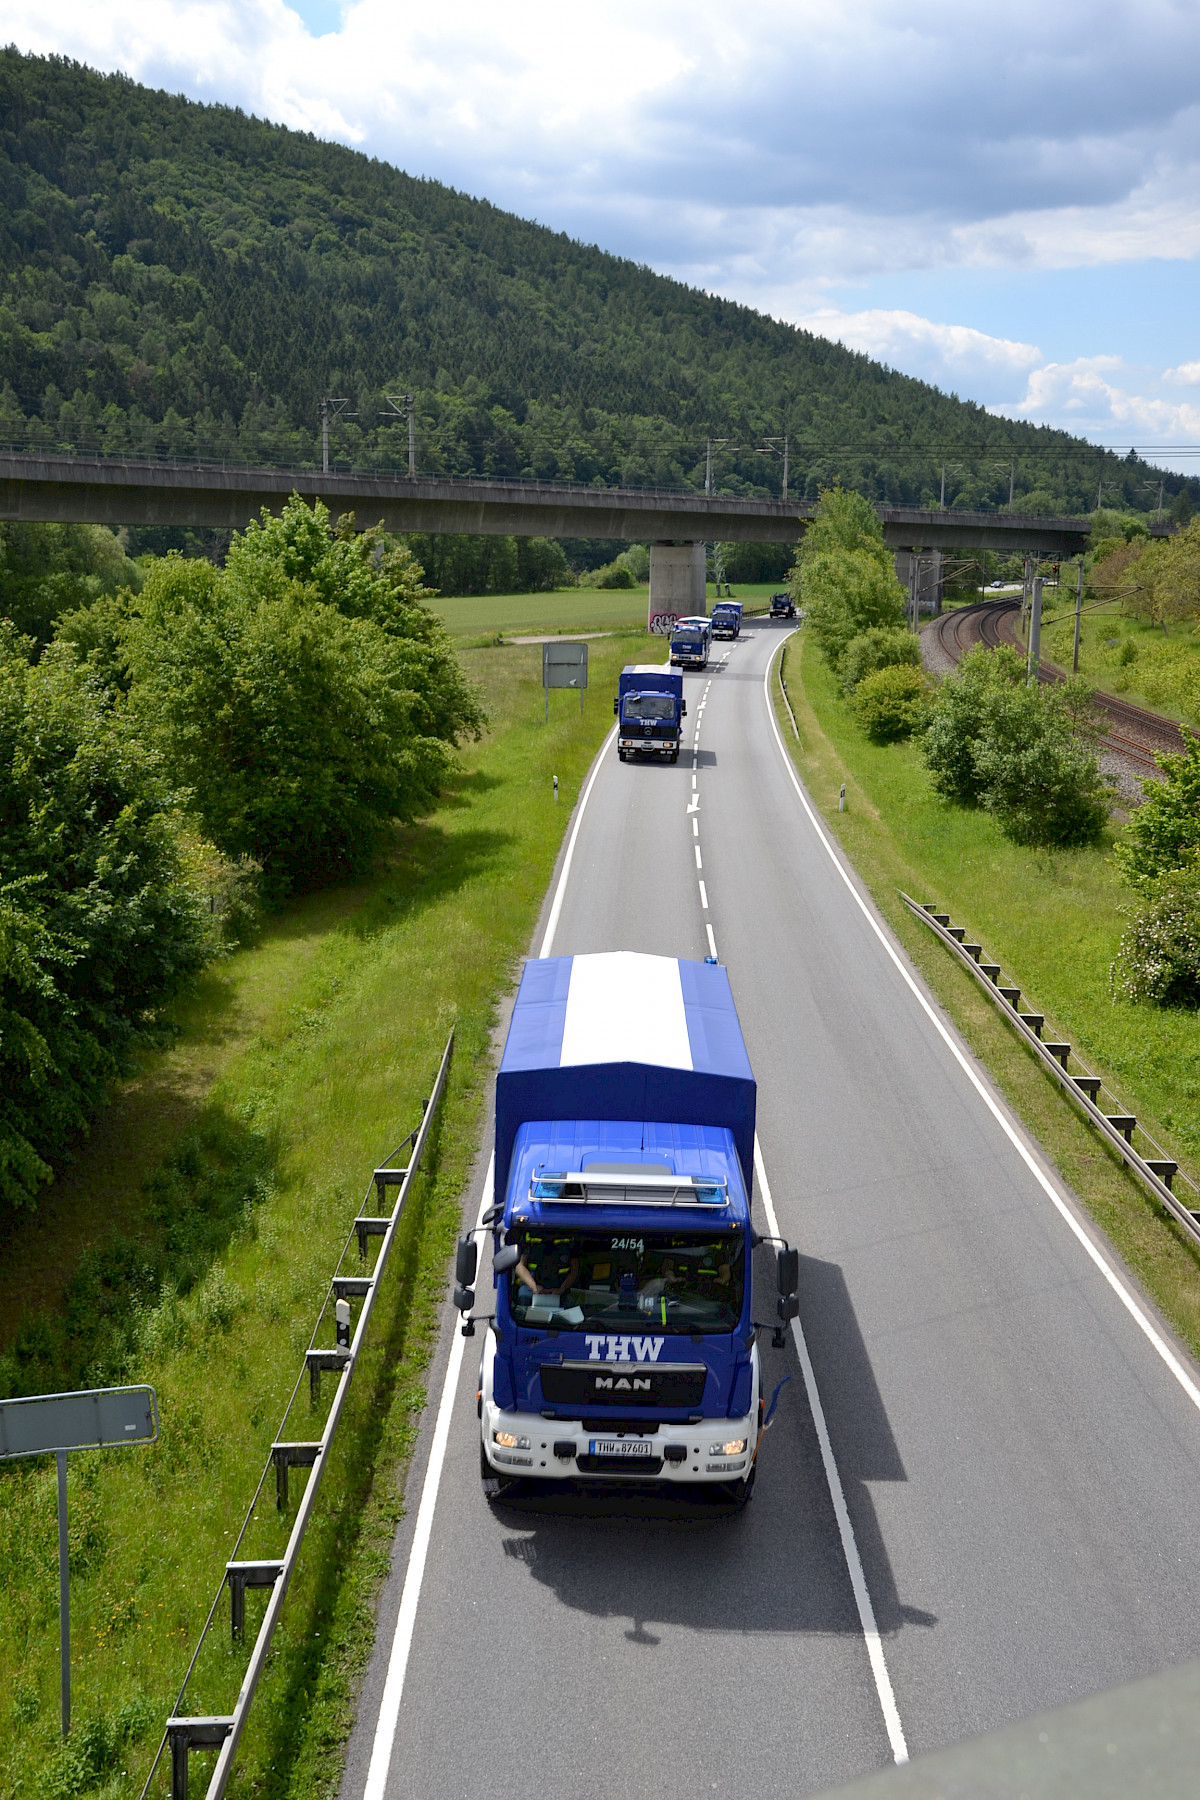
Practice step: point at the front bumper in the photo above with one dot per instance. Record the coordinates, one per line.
(540, 1452)
(649, 746)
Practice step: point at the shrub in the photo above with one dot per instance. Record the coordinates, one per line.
(1163, 836)
(99, 921)
(307, 699)
(1038, 773)
(1024, 753)
(888, 703)
(878, 648)
(1158, 960)
(957, 717)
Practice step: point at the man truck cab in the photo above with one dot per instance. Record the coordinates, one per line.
(622, 1344)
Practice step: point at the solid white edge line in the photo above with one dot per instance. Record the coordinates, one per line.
(1128, 1299)
(560, 890)
(858, 1579)
(406, 1618)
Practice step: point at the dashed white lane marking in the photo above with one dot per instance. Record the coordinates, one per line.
(696, 848)
(712, 942)
(406, 1619)
(695, 827)
(858, 1580)
(1129, 1300)
(704, 896)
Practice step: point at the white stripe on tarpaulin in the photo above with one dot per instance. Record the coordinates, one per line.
(623, 1006)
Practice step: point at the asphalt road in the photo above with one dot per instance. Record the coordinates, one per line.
(1020, 1465)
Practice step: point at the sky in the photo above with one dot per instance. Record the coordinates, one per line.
(1001, 199)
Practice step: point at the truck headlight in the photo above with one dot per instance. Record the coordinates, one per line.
(507, 1441)
(734, 1447)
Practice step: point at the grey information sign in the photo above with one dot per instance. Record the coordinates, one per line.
(94, 1419)
(97, 1419)
(564, 666)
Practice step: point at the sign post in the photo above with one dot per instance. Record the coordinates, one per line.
(564, 666)
(96, 1419)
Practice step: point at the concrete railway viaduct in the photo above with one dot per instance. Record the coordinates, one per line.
(112, 491)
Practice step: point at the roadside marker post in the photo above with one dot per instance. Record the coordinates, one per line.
(53, 1424)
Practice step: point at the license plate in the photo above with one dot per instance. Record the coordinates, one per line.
(618, 1447)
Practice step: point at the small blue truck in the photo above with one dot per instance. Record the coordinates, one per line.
(691, 641)
(727, 618)
(650, 710)
(782, 605)
(622, 1345)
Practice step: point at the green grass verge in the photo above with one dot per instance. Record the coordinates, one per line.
(301, 1061)
(564, 610)
(1052, 919)
(1163, 668)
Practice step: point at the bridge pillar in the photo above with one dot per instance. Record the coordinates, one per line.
(677, 584)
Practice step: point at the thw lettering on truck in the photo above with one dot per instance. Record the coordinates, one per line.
(622, 1342)
(616, 1349)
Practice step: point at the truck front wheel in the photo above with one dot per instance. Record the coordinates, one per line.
(739, 1492)
(495, 1487)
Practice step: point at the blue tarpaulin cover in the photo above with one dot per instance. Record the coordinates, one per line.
(624, 1036)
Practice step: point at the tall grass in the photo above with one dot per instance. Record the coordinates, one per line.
(304, 1062)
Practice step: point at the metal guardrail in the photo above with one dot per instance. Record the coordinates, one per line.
(1157, 1170)
(223, 1732)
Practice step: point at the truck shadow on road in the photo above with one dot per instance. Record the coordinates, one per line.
(666, 1559)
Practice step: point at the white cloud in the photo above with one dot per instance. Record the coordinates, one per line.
(770, 152)
(1107, 400)
(945, 354)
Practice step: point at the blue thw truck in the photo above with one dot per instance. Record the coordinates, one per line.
(650, 710)
(691, 641)
(727, 618)
(623, 1344)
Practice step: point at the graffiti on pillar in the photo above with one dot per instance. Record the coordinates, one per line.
(662, 624)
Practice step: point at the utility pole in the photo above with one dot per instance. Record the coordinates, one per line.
(400, 406)
(1035, 632)
(942, 508)
(708, 468)
(1012, 480)
(785, 469)
(914, 578)
(1078, 619)
(330, 409)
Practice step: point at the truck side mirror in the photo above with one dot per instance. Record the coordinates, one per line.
(788, 1270)
(788, 1307)
(464, 1298)
(466, 1261)
(506, 1259)
(683, 709)
(616, 701)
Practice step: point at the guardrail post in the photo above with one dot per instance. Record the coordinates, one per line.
(290, 1456)
(336, 1359)
(240, 1576)
(1164, 1168)
(187, 1734)
(366, 1227)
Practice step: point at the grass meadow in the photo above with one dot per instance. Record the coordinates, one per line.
(566, 610)
(190, 1246)
(1053, 920)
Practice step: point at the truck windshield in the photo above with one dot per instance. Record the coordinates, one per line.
(686, 641)
(649, 706)
(672, 1282)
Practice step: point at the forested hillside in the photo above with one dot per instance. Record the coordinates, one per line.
(179, 279)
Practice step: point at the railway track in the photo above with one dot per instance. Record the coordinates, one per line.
(1130, 731)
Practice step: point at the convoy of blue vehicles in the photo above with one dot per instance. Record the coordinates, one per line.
(622, 1344)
